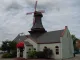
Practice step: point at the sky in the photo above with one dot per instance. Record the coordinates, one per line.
(58, 14)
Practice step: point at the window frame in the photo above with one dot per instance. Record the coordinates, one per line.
(57, 50)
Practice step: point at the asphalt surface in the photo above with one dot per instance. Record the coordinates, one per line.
(75, 58)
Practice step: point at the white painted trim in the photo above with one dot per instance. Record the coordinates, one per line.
(18, 52)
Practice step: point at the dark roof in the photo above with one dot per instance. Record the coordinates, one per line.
(49, 37)
(20, 38)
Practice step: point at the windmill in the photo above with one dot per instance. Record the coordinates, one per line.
(41, 11)
(37, 28)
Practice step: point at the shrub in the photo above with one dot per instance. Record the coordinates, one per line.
(6, 55)
(40, 54)
(47, 52)
(14, 53)
(32, 54)
(10, 55)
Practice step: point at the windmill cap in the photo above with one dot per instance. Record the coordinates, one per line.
(37, 13)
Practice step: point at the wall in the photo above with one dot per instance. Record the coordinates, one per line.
(27, 47)
(25, 52)
(52, 46)
(67, 45)
(18, 52)
(35, 45)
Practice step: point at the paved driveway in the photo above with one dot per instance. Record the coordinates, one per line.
(75, 58)
(6, 59)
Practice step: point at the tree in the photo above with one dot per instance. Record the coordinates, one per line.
(5, 46)
(13, 49)
(8, 46)
(74, 37)
(74, 43)
(12, 45)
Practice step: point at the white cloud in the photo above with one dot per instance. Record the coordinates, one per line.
(58, 13)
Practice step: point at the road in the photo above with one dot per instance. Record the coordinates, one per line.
(75, 58)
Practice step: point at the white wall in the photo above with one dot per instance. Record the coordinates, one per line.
(25, 52)
(52, 46)
(18, 52)
(67, 45)
(27, 47)
(35, 45)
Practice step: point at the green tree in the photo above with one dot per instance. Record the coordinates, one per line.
(12, 45)
(74, 37)
(5, 46)
(13, 48)
(74, 42)
(8, 46)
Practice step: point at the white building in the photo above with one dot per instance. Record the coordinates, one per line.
(59, 41)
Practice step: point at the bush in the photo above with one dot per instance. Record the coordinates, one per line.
(6, 55)
(47, 52)
(40, 54)
(14, 53)
(32, 54)
(10, 55)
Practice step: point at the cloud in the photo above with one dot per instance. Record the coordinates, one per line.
(58, 13)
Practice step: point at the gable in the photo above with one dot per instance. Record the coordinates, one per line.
(66, 33)
(27, 43)
(31, 42)
(67, 44)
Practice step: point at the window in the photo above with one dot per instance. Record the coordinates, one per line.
(57, 50)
